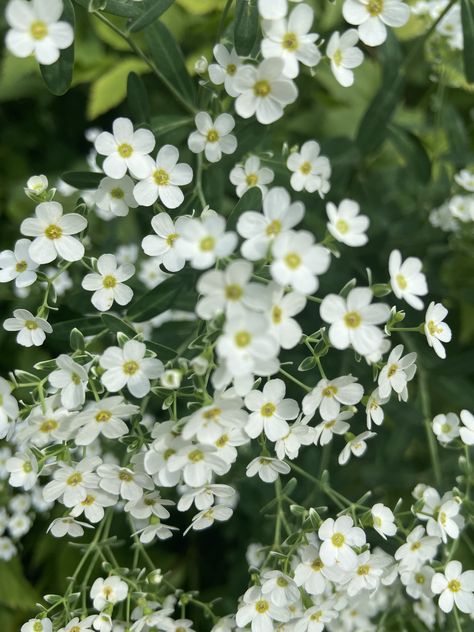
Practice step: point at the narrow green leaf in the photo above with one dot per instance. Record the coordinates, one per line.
(122, 8)
(467, 18)
(87, 326)
(137, 98)
(58, 76)
(76, 340)
(153, 10)
(161, 298)
(413, 151)
(250, 201)
(245, 26)
(169, 60)
(115, 324)
(82, 179)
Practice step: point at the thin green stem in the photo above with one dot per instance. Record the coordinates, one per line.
(295, 380)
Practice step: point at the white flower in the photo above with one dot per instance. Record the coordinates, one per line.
(225, 70)
(37, 625)
(455, 588)
(197, 463)
(105, 418)
(127, 253)
(67, 526)
(19, 525)
(18, 265)
(123, 482)
(267, 468)
(71, 378)
(8, 409)
(163, 244)
(465, 179)
(148, 505)
(203, 497)
(337, 539)
(397, 373)
(52, 231)
(417, 550)
(107, 284)
(23, 469)
(328, 395)
(125, 149)
(383, 520)
(356, 446)
(31, 329)
(345, 224)
(115, 196)
(162, 178)
(93, 505)
(260, 229)
(204, 240)
(263, 91)
(273, 9)
(213, 137)
(230, 291)
(35, 29)
(129, 367)
(206, 518)
(7, 549)
(371, 16)
(259, 611)
(251, 174)
(76, 625)
(311, 172)
(283, 327)
(151, 275)
(446, 427)
(297, 261)
(171, 379)
(448, 522)
(111, 590)
(208, 423)
(374, 408)
(353, 320)
(290, 39)
(436, 330)
(406, 279)
(467, 429)
(270, 411)
(344, 56)
(279, 588)
(418, 582)
(315, 618)
(462, 207)
(324, 432)
(310, 572)
(37, 184)
(71, 482)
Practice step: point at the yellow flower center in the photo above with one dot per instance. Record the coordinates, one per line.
(363, 570)
(377, 521)
(172, 237)
(338, 540)
(212, 414)
(161, 177)
(262, 88)
(195, 456)
(207, 243)
(117, 193)
(74, 479)
(242, 338)
(276, 314)
(402, 282)
(251, 179)
(27, 467)
(124, 475)
(273, 228)
(222, 441)
(169, 452)
(103, 416)
(433, 328)
(415, 546)
(21, 266)
(337, 57)
(375, 7)
(282, 582)
(293, 260)
(231, 69)
(261, 606)
(212, 136)
(31, 325)
(446, 428)
(233, 292)
(88, 501)
(352, 320)
(316, 616)
(75, 378)
(306, 168)
(53, 232)
(454, 585)
(109, 281)
(38, 627)
(38, 30)
(125, 150)
(393, 368)
(419, 578)
(48, 425)
(330, 424)
(342, 226)
(329, 391)
(290, 42)
(267, 410)
(130, 367)
(317, 565)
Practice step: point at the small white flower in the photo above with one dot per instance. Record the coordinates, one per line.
(71, 379)
(264, 91)
(225, 70)
(436, 330)
(251, 174)
(125, 149)
(338, 537)
(67, 526)
(397, 373)
(208, 423)
(163, 244)
(7, 549)
(35, 28)
(197, 463)
(455, 588)
(374, 408)
(37, 625)
(37, 184)
(171, 379)
(461, 207)
(279, 588)
(383, 520)
(267, 468)
(346, 224)
(418, 582)
(8, 409)
(283, 326)
(311, 171)
(52, 232)
(328, 395)
(206, 518)
(129, 367)
(71, 482)
(115, 196)
(448, 522)
(31, 329)
(93, 505)
(204, 240)
(417, 550)
(371, 16)
(467, 429)
(18, 265)
(151, 275)
(162, 179)
(406, 279)
(259, 611)
(23, 469)
(123, 482)
(270, 411)
(356, 446)
(203, 497)
(273, 9)
(315, 618)
(344, 56)
(324, 432)
(213, 137)
(279, 215)
(105, 417)
(107, 284)
(290, 39)
(465, 179)
(446, 427)
(353, 320)
(111, 590)
(297, 261)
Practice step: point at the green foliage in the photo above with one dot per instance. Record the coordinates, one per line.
(58, 76)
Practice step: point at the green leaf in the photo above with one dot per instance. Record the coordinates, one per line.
(162, 297)
(115, 324)
(58, 76)
(467, 18)
(122, 8)
(137, 98)
(87, 326)
(153, 10)
(76, 340)
(169, 60)
(111, 88)
(250, 201)
(245, 26)
(413, 151)
(82, 179)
